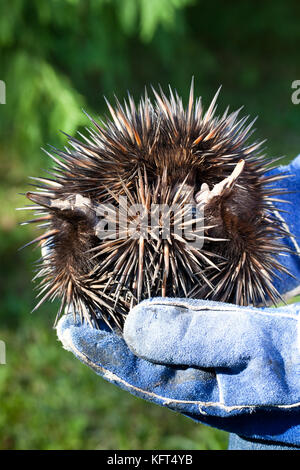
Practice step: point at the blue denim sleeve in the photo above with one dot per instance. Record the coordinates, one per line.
(285, 284)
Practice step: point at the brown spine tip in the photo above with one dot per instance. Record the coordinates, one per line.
(41, 200)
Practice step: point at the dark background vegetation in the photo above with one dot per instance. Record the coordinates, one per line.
(57, 57)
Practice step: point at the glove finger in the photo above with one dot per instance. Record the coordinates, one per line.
(202, 333)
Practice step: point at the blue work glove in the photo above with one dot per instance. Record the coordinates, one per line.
(234, 368)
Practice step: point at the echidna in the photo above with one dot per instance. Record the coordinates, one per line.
(151, 156)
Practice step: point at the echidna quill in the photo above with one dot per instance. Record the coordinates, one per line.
(109, 196)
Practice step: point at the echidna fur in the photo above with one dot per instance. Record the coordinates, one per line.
(159, 153)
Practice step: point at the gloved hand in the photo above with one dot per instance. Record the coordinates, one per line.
(234, 368)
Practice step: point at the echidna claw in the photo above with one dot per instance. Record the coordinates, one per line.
(205, 195)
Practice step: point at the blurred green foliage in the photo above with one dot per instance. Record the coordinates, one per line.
(58, 57)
